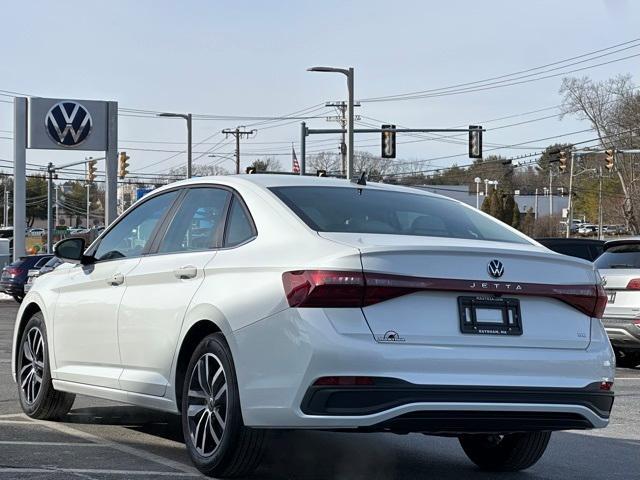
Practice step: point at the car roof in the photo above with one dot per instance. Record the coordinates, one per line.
(284, 180)
(557, 240)
(622, 241)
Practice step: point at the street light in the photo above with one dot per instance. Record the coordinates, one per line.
(477, 180)
(348, 72)
(187, 117)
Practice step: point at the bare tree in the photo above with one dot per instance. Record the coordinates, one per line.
(328, 161)
(612, 107)
(199, 170)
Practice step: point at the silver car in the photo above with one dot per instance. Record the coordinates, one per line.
(619, 266)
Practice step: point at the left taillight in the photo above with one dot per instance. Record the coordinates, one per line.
(324, 288)
(14, 271)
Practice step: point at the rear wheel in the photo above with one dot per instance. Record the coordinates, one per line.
(216, 438)
(505, 453)
(37, 396)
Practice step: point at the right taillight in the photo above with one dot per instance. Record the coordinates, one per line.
(634, 284)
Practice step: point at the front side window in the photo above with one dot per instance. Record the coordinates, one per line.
(131, 234)
(372, 210)
(196, 222)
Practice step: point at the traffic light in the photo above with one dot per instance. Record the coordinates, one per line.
(122, 168)
(321, 173)
(251, 170)
(475, 141)
(91, 171)
(388, 142)
(562, 165)
(610, 158)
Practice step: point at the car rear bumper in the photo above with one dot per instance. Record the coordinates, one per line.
(388, 394)
(279, 359)
(623, 333)
(12, 288)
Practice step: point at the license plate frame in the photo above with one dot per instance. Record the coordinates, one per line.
(507, 308)
(611, 296)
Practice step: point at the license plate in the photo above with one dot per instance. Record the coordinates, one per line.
(611, 296)
(490, 316)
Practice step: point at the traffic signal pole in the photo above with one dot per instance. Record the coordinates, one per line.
(570, 205)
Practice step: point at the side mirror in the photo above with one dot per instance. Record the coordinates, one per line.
(71, 250)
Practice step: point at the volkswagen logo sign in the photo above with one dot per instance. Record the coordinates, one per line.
(495, 268)
(68, 123)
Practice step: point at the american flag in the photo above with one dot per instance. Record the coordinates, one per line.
(295, 167)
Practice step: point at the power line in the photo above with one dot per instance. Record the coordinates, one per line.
(506, 77)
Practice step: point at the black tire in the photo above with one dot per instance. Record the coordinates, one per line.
(18, 298)
(239, 448)
(628, 359)
(505, 453)
(41, 402)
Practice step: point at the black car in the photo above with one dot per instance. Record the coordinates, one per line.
(587, 248)
(14, 275)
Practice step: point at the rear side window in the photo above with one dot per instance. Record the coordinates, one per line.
(370, 210)
(239, 226)
(42, 262)
(620, 256)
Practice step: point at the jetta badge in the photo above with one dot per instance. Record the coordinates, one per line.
(495, 268)
(68, 123)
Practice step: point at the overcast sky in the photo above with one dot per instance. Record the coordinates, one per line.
(249, 58)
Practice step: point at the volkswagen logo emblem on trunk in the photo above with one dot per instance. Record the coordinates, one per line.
(495, 268)
(68, 123)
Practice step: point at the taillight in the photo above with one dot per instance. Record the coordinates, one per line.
(331, 289)
(14, 271)
(323, 288)
(634, 284)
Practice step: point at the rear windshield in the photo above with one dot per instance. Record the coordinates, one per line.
(353, 210)
(620, 256)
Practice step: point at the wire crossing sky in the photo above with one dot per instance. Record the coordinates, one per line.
(417, 64)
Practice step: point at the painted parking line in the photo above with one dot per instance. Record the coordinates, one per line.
(165, 462)
(52, 444)
(96, 471)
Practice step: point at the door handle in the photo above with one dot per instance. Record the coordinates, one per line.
(117, 279)
(183, 273)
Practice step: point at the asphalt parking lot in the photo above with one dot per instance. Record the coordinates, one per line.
(105, 440)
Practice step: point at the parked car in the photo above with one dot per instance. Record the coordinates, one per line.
(37, 272)
(589, 249)
(254, 302)
(36, 232)
(14, 275)
(588, 230)
(619, 266)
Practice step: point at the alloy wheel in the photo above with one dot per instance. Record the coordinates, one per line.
(207, 404)
(32, 369)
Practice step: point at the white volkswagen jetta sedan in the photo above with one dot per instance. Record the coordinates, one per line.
(248, 303)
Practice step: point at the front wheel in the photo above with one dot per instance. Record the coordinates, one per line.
(216, 438)
(505, 453)
(37, 396)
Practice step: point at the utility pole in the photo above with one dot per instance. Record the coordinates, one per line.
(342, 120)
(50, 172)
(600, 202)
(570, 204)
(238, 134)
(6, 207)
(57, 206)
(550, 192)
(88, 187)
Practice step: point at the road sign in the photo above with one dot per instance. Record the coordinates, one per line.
(388, 142)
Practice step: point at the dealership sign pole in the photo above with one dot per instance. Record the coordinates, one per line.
(62, 124)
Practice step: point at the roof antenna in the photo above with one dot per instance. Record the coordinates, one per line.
(362, 180)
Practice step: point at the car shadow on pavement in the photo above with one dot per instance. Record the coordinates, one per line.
(158, 424)
(328, 455)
